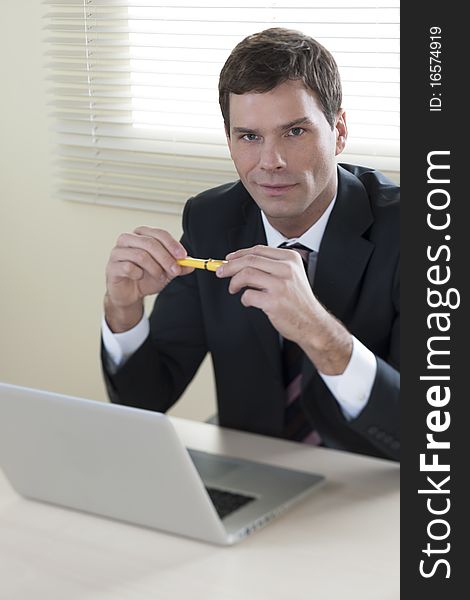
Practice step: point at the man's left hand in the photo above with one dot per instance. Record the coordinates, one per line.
(274, 280)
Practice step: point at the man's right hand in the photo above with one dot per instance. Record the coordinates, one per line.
(141, 263)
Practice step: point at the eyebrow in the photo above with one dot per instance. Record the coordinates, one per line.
(294, 123)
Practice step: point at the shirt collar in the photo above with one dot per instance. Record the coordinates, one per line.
(311, 239)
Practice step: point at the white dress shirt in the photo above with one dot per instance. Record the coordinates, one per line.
(351, 389)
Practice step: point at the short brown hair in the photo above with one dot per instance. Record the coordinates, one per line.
(264, 60)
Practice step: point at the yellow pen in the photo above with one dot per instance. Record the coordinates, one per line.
(209, 264)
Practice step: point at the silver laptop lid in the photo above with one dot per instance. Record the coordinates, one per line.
(129, 464)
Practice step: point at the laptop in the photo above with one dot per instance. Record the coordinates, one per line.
(129, 464)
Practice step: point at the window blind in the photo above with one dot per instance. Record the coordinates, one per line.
(134, 97)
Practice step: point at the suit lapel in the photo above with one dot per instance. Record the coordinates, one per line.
(247, 233)
(344, 253)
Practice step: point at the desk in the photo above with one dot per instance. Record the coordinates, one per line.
(340, 542)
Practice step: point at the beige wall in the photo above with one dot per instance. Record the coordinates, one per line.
(53, 253)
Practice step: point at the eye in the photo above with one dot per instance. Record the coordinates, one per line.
(250, 137)
(296, 131)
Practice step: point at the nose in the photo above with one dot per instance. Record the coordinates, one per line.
(271, 156)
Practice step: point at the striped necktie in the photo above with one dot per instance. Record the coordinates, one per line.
(296, 424)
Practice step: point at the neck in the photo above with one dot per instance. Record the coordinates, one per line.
(294, 227)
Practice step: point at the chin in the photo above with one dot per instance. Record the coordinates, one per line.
(287, 207)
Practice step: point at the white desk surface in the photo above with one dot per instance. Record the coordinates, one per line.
(342, 542)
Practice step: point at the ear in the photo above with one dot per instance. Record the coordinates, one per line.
(341, 130)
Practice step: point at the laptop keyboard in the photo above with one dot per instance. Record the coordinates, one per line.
(226, 503)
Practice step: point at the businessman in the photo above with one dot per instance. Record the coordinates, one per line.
(302, 321)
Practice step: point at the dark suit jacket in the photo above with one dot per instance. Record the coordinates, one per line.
(357, 279)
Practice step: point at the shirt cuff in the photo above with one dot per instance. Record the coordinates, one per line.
(353, 387)
(120, 346)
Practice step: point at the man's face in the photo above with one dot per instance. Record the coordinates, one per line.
(284, 151)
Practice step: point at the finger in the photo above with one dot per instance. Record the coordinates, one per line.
(175, 248)
(143, 261)
(256, 299)
(254, 261)
(117, 271)
(261, 250)
(155, 248)
(252, 278)
(138, 257)
(187, 270)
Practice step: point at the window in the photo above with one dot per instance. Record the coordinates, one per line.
(134, 89)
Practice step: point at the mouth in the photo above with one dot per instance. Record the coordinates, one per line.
(277, 189)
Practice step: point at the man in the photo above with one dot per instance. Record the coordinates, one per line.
(303, 347)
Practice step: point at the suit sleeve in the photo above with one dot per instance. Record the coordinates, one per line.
(156, 375)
